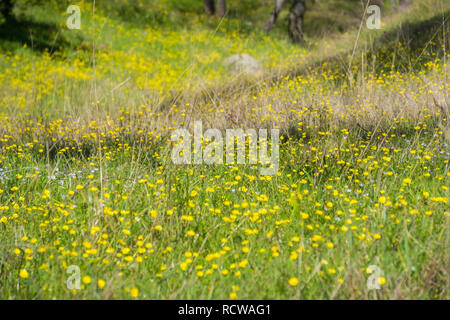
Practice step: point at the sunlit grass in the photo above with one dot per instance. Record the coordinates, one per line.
(86, 177)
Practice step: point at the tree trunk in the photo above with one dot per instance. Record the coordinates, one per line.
(274, 16)
(400, 3)
(378, 2)
(221, 8)
(405, 2)
(209, 6)
(296, 20)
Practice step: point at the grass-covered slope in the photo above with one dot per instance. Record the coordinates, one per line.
(86, 177)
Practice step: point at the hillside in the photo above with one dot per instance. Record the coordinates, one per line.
(89, 181)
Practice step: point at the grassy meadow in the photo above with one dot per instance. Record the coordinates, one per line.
(87, 180)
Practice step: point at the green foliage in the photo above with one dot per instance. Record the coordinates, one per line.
(86, 177)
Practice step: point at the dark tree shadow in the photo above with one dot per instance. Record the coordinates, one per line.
(16, 32)
(417, 40)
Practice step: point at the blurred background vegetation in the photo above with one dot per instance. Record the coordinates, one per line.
(166, 47)
(324, 17)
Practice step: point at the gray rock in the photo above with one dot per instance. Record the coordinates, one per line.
(243, 63)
